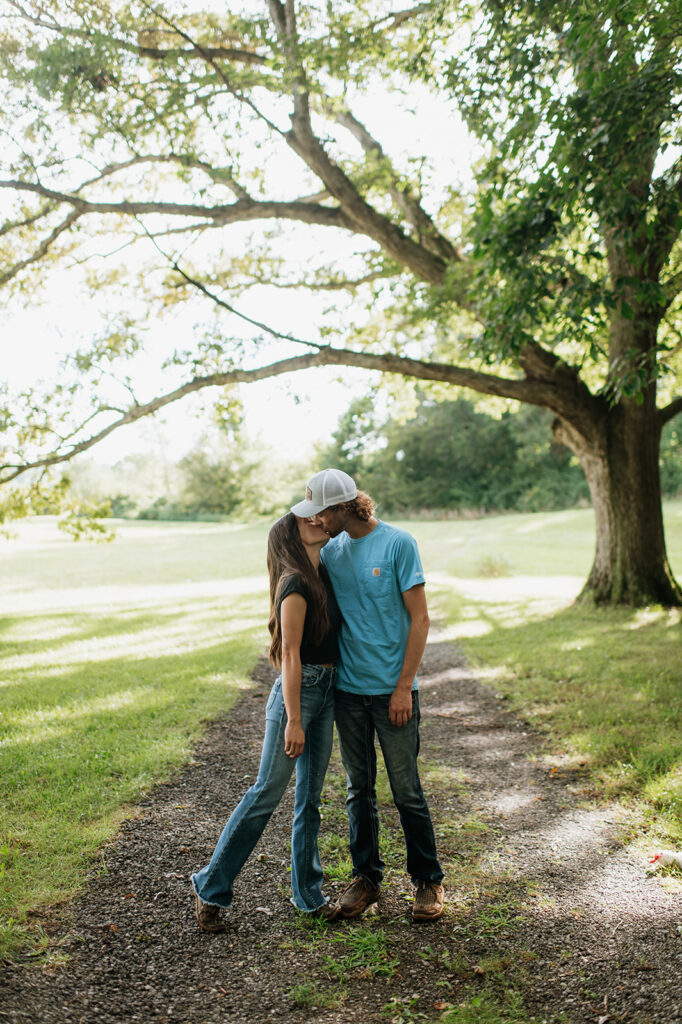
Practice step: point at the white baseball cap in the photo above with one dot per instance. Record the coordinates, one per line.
(326, 488)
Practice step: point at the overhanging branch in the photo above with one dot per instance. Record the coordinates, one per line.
(229, 53)
(231, 309)
(308, 147)
(670, 411)
(534, 392)
(41, 250)
(410, 207)
(230, 213)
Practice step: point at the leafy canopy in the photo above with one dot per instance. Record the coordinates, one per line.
(214, 156)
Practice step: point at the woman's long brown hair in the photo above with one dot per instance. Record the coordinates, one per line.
(286, 558)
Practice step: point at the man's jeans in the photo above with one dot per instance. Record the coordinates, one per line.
(358, 719)
(215, 883)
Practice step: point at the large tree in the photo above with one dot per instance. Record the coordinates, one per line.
(159, 130)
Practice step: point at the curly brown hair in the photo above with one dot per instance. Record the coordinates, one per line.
(361, 506)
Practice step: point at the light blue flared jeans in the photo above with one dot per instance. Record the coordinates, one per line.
(215, 882)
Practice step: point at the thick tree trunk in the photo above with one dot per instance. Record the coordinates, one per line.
(620, 461)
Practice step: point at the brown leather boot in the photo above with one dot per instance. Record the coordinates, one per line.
(428, 901)
(207, 915)
(356, 897)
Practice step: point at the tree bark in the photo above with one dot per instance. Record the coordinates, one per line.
(620, 461)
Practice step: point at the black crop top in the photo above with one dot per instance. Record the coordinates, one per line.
(326, 652)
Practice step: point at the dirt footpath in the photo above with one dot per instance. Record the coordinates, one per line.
(549, 917)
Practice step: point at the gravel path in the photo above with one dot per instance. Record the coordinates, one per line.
(543, 896)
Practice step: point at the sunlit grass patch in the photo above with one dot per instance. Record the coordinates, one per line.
(98, 703)
(492, 565)
(451, 777)
(486, 1008)
(338, 960)
(665, 791)
(604, 684)
(101, 735)
(603, 691)
(363, 951)
(317, 995)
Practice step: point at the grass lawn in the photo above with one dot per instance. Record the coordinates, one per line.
(114, 654)
(111, 657)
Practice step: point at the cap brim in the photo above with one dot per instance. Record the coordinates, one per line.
(306, 508)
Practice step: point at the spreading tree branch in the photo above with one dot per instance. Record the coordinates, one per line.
(229, 53)
(330, 284)
(217, 174)
(218, 68)
(302, 139)
(231, 309)
(41, 250)
(399, 18)
(670, 411)
(412, 210)
(220, 215)
(353, 214)
(548, 393)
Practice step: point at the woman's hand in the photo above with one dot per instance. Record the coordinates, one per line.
(294, 739)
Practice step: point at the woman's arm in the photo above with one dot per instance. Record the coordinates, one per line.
(292, 618)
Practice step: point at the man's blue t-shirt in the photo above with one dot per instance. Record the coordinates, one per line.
(369, 576)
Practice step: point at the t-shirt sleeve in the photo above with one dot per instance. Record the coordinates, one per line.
(408, 566)
(292, 585)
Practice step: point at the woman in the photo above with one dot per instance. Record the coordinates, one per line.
(304, 623)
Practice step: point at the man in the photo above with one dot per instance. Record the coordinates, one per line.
(379, 585)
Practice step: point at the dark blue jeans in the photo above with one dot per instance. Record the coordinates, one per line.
(359, 719)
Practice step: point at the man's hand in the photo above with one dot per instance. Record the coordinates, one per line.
(294, 739)
(400, 704)
(400, 707)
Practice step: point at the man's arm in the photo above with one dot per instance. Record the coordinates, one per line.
(400, 705)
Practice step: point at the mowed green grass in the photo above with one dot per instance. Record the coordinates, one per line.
(113, 655)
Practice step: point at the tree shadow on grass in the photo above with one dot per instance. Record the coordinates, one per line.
(606, 682)
(81, 736)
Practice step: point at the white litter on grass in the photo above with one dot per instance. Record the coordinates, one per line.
(665, 858)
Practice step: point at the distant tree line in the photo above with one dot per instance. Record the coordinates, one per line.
(448, 457)
(451, 457)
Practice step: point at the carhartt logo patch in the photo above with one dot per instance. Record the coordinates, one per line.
(308, 494)
(376, 572)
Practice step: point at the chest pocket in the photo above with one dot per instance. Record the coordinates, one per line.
(380, 585)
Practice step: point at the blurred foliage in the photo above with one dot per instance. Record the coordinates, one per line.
(450, 456)
(78, 516)
(225, 475)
